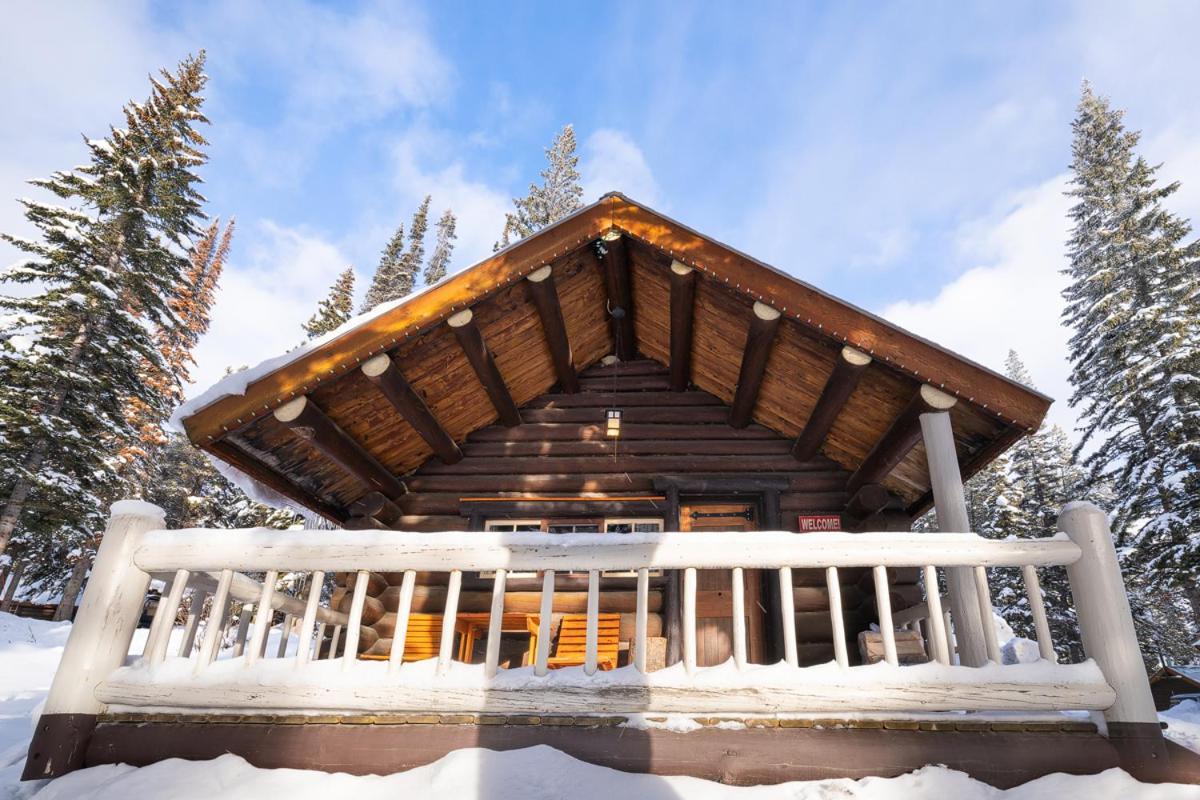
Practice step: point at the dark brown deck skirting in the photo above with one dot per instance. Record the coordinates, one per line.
(766, 755)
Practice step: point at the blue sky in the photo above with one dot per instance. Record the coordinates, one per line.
(907, 157)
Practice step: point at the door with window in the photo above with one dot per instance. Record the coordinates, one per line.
(714, 587)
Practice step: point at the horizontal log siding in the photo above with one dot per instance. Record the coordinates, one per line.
(561, 450)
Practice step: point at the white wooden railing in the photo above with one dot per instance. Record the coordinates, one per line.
(94, 676)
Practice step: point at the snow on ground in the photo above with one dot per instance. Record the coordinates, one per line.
(542, 773)
(1183, 724)
(29, 653)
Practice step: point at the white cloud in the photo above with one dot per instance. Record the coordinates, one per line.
(612, 161)
(424, 162)
(268, 289)
(1012, 299)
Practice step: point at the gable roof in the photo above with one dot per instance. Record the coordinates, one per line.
(992, 412)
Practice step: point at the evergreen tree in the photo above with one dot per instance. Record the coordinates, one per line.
(414, 256)
(1135, 351)
(104, 266)
(190, 302)
(386, 282)
(334, 310)
(435, 270)
(559, 195)
(193, 495)
(400, 266)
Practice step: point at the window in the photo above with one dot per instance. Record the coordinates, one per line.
(610, 525)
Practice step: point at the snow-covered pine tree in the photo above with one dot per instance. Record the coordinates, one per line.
(190, 303)
(559, 195)
(1135, 351)
(193, 494)
(414, 256)
(71, 351)
(335, 309)
(435, 270)
(384, 282)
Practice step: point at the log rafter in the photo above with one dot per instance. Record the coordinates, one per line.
(764, 323)
(900, 438)
(386, 376)
(305, 420)
(615, 259)
(470, 339)
(545, 299)
(847, 372)
(683, 296)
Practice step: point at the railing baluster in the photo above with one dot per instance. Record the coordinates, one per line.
(333, 642)
(245, 614)
(542, 654)
(158, 620)
(169, 611)
(225, 619)
(495, 625)
(951, 637)
(985, 610)
(354, 621)
(883, 602)
(211, 642)
(739, 618)
(592, 642)
(315, 655)
(641, 620)
(192, 623)
(285, 631)
(262, 618)
(689, 619)
(787, 613)
(316, 582)
(449, 619)
(937, 618)
(833, 587)
(400, 635)
(1037, 607)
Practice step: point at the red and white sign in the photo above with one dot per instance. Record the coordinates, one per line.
(811, 523)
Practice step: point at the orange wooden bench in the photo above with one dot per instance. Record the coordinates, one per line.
(571, 648)
(423, 640)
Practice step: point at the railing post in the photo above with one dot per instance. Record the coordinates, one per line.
(949, 503)
(97, 645)
(1106, 624)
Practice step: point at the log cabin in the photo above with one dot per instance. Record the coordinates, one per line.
(615, 476)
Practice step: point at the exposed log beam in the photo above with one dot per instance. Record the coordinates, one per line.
(871, 498)
(390, 381)
(620, 296)
(545, 299)
(901, 437)
(470, 339)
(256, 469)
(375, 504)
(759, 338)
(302, 417)
(847, 372)
(683, 295)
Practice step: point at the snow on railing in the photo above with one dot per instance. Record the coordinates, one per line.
(92, 676)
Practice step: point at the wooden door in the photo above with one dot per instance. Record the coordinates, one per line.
(714, 588)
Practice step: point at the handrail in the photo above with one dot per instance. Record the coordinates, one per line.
(261, 549)
(134, 547)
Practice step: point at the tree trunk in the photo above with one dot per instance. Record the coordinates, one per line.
(66, 606)
(13, 583)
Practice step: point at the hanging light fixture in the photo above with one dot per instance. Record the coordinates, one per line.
(613, 427)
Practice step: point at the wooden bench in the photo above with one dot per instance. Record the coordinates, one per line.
(422, 641)
(571, 649)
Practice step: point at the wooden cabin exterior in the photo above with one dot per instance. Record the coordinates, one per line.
(616, 446)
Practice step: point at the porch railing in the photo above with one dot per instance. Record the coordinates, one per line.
(94, 675)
